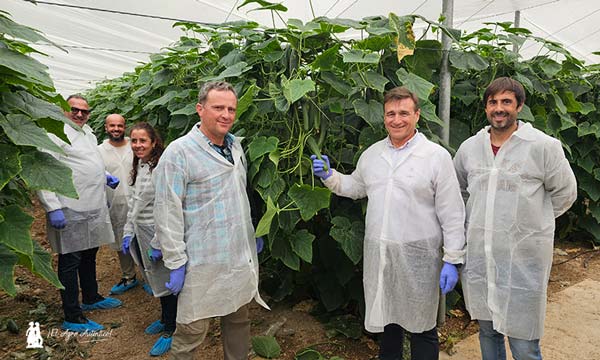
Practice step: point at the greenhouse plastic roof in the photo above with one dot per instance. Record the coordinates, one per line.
(105, 38)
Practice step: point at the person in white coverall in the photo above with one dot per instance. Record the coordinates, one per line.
(118, 157)
(203, 225)
(516, 180)
(414, 235)
(77, 227)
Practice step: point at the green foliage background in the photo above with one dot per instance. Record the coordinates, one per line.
(29, 110)
(307, 87)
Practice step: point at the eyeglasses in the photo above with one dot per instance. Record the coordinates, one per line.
(83, 112)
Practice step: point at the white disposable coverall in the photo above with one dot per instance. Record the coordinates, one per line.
(88, 222)
(513, 198)
(414, 211)
(202, 219)
(140, 221)
(118, 162)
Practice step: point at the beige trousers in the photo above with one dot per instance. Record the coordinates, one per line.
(127, 265)
(235, 335)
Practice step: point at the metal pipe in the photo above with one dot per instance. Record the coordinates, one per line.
(445, 80)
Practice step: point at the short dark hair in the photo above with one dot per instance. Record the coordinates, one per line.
(400, 93)
(503, 84)
(214, 85)
(77, 96)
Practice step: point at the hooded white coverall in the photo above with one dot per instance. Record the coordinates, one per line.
(118, 162)
(88, 221)
(202, 220)
(513, 198)
(415, 219)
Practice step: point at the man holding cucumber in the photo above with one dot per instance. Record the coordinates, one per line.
(414, 236)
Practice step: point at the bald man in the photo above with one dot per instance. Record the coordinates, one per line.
(118, 159)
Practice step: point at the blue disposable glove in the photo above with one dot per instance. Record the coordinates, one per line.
(176, 278)
(112, 181)
(319, 166)
(448, 277)
(57, 219)
(125, 244)
(260, 244)
(154, 254)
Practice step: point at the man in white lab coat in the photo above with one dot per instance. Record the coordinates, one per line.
(516, 181)
(414, 236)
(77, 227)
(118, 159)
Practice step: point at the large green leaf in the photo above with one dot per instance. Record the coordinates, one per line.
(18, 31)
(350, 235)
(234, 70)
(360, 56)
(264, 225)
(415, 83)
(246, 100)
(589, 184)
(295, 89)
(585, 128)
(282, 249)
(14, 230)
(592, 226)
(468, 61)
(41, 171)
(163, 100)
(11, 165)
(274, 190)
(371, 112)
(188, 109)
(262, 145)
(326, 59)
(309, 199)
(338, 84)
(302, 244)
(22, 131)
(32, 69)
(40, 263)
(403, 25)
(370, 79)
(526, 114)
(266, 346)
(8, 260)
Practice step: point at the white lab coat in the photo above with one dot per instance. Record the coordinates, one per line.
(202, 219)
(88, 221)
(140, 222)
(118, 162)
(513, 198)
(415, 218)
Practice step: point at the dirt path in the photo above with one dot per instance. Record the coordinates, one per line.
(125, 338)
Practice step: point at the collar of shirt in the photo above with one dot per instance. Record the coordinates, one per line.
(406, 145)
(225, 149)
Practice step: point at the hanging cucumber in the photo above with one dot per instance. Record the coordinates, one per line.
(312, 144)
(305, 115)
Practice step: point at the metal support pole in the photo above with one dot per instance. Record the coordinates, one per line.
(445, 81)
(517, 24)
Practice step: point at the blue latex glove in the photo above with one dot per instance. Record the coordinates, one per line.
(176, 278)
(57, 219)
(154, 254)
(125, 244)
(319, 166)
(260, 244)
(112, 181)
(448, 277)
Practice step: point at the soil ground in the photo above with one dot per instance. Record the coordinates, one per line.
(297, 328)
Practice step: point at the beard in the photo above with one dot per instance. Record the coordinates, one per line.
(504, 125)
(116, 138)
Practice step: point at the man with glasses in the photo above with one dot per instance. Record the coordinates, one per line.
(414, 235)
(77, 227)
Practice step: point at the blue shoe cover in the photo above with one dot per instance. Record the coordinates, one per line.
(162, 345)
(124, 285)
(148, 289)
(155, 328)
(107, 303)
(75, 327)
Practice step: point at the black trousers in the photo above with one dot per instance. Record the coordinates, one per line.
(423, 346)
(168, 304)
(78, 269)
